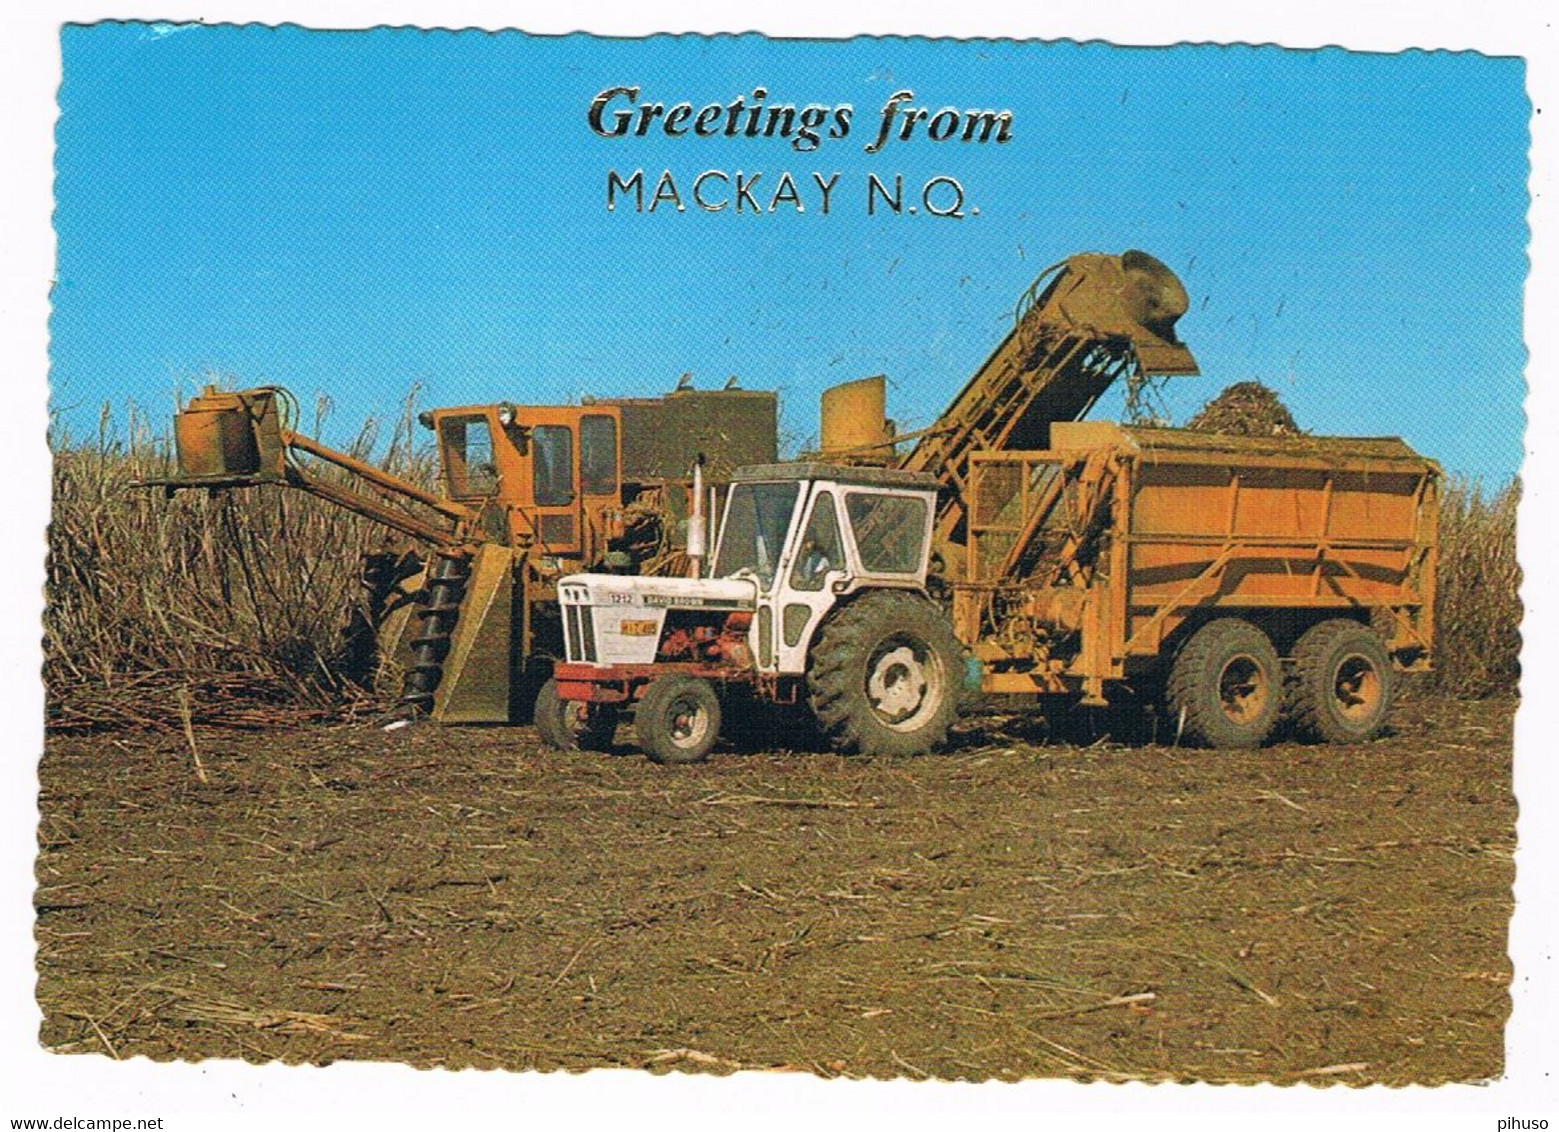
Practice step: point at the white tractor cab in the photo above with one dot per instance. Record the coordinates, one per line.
(816, 595)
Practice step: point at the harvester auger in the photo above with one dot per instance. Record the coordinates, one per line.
(1084, 324)
(527, 493)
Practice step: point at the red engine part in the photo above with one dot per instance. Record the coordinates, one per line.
(732, 645)
(723, 643)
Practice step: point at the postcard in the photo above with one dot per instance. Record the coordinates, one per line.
(919, 559)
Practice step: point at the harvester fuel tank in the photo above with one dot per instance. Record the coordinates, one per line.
(854, 417)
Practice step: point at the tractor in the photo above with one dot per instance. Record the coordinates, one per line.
(816, 596)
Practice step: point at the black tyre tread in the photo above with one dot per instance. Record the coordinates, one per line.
(1185, 691)
(1309, 691)
(836, 680)
(548, 718)
(654, 740)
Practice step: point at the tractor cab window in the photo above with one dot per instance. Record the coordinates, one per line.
(757, 519)
(890, 531)
(598, 455)
(469, 465)
(821, 548)
(552, 458)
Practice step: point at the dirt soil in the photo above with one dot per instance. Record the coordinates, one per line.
(1018, 907)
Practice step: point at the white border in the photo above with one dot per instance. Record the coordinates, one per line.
(233, 1095)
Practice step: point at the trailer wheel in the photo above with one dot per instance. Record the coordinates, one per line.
(886, 675)
(569, 725)
(678, 719)
(1226, 684)
(1343, 683)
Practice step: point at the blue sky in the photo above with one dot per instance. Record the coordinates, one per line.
(353, 213)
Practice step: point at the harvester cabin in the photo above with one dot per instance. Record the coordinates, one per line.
(537, 475)
(558, 478)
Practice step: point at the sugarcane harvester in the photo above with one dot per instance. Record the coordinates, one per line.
(524, 495)
(1016, 549)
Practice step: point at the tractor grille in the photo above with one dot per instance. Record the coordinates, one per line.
(579, 625)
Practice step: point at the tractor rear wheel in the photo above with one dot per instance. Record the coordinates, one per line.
(1343, 682)
(569, 725)
(885, 676)
(1225, 686)
(678, 719)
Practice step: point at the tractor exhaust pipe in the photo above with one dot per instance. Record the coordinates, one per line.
(697, 540)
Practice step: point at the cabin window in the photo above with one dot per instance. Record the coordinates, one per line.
(890, 531)
(469, 466)
(598, 455)
(552, 461)
(821, 550)
(757, 519)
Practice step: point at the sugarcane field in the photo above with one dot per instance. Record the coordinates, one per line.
(1021, 905)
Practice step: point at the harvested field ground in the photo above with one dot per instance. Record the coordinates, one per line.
(1015, 908)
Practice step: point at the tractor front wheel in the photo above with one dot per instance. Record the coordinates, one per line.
(569, 725)
(678, 719)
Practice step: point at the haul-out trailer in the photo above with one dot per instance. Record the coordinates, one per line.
(1015, 549)
(524, 494)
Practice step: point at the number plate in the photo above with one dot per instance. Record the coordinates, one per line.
(637, 628)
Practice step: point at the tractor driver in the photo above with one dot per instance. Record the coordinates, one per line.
(814, 564)
(820, 548)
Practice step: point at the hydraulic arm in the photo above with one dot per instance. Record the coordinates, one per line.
(242, 440)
